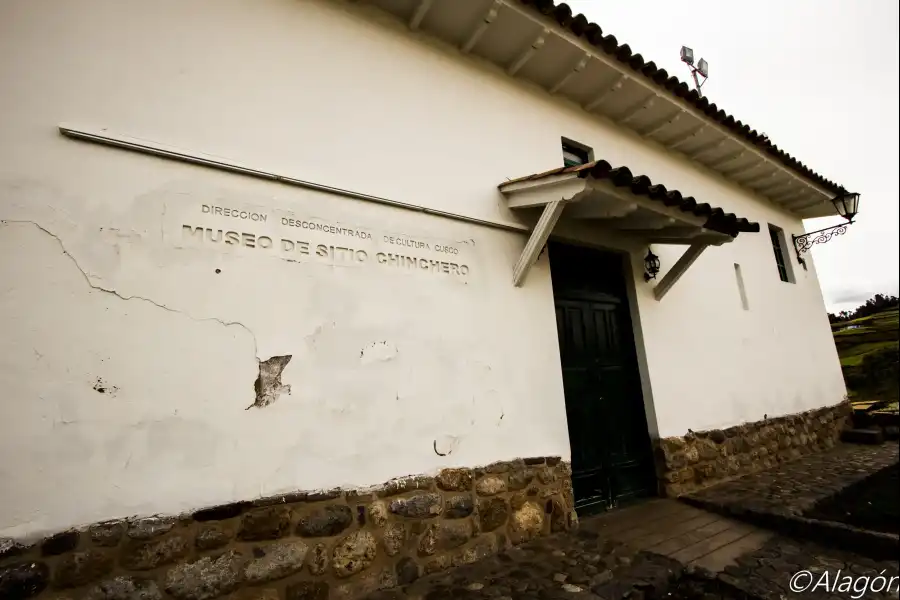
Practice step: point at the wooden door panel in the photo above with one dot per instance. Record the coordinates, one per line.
(611, 459)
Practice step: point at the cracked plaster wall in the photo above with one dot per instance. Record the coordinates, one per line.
(390, 374)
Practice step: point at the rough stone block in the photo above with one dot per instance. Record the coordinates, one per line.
(24, 579)
(418, 506)
(378, 513)
(443, 536)
(526, 522)
(480, 549)
(307, 590)
(325, 522)
(492, 514)
(143, 556)
(265, 523)
(107, 533)
(403, 485)
(395, 536)
(353, 553)
(458, 507)
(455, 480)
(255, 593)
(213, 535)
(279, 560)
(124, 588)
(80, 568)
(407, 571)
(519, 479)
(150, 527)
(490, 486)
(60, 543)
(206, 578)
(318, 559)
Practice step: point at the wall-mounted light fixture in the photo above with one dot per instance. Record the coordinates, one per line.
(651, 265)
(847, 205)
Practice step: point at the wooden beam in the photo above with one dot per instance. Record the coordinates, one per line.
(633, 111)
(482, 26)
(671, 232)
(678, 269)
(742, 169)
(710, 240)
(526, 54)
(606, 188)
(612, 208)
(537, 240)
(645, 222)
(808, 204)
(774, 189)
(689, 135)
(578, 68)
(667, 122)
(756, 179)
(794, 197)
(529, 194)
(726, 159)
(708, 147)
(615, 87)
(420, 13)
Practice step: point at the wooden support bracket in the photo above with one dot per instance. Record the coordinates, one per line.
(678, 269)
(536, 240)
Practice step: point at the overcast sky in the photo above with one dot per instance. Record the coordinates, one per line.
(820, 77)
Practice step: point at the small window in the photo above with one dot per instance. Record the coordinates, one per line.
(779, 245)
(745, 304)
(575, 154)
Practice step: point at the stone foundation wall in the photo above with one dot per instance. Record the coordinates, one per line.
(303, 546)
(701, 459)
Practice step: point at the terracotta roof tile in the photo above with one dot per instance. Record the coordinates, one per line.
(641, 185)
(579, 26)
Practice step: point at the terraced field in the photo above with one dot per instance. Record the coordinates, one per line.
(869, 349)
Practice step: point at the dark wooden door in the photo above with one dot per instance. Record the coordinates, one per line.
(611, 453)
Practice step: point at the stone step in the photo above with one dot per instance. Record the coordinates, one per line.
(873, 436)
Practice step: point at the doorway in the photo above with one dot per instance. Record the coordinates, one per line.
(612, 458)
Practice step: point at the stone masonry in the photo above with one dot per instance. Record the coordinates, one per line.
(701, 459)
(302, 546)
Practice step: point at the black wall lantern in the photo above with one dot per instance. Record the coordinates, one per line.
(651, 265)
(847, 205)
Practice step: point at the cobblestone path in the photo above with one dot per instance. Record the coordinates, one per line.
(665, 549)
(794, 487)
(584, 566)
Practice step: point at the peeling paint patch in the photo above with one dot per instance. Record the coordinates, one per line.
(101, 387)
(377, 352)
(268, 385)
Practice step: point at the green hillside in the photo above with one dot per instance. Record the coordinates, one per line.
(869, 347)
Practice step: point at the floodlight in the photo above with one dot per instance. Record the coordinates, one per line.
(703, 67)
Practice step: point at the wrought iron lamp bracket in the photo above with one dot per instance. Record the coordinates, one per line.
(803, 243)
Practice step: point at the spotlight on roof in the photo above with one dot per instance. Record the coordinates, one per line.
(702, 68)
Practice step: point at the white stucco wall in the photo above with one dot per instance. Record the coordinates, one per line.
(102, 290)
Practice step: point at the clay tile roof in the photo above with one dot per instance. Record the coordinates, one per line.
(579, 26)
(640, 185)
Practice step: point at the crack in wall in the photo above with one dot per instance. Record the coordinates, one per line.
(115, 293)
